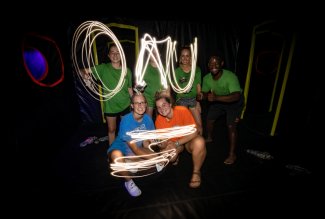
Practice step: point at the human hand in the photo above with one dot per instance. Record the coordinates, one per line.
(198, 107)
(170, 145)
(199, 96)
(211, 96)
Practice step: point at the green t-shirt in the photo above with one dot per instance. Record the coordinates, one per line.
(153, 81)
(183, 78)
(225, 85)
(110, 77)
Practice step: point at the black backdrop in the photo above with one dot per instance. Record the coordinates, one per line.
(48, 116)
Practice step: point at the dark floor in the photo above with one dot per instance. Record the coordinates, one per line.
(76, 181)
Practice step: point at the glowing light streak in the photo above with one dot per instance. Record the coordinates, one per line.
(149, 46)
(90, 30)
(140, 164)
(172, 80)
(133, 165)
(162, 134)
(37, 50)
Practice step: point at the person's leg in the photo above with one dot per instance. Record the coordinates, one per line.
(214, 112)
(196, 112)
(232, 135)
(198, 150)
(111, 123)
(233, 118)
(209, 130)
(129, 184)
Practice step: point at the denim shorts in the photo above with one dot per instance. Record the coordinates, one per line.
(186, 101)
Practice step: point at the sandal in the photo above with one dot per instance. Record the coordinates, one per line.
(195, 183)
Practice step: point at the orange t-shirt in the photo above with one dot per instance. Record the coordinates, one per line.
(182, 116)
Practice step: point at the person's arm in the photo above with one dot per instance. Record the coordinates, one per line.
(130, 90)
(129, 82)
(146, 143)
(187, 138)
(179, 144)
(86, 75)
(235, 96)
(139, 150)
(174, 145)
(199, 97)
(198, 88)
(202, 96)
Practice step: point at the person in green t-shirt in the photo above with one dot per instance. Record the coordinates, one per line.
(109, 74)
(222, 89)
(152, 77)
(183, 73)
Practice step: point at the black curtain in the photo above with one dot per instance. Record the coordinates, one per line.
(211, 38)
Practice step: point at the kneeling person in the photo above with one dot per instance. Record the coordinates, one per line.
(171, 116)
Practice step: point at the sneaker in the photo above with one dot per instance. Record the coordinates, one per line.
(132, 188)
(89, 140)
(105, 138)
(159, 166)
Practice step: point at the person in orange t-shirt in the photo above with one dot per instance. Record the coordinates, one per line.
(194, 143)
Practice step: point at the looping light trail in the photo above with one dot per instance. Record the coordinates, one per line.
(149, 49)
(138, 165)
(162, 134)
(90, 30)
(149, 46)
(172, 80)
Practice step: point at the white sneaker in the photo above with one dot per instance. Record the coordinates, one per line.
(132, 188)
(159, 166)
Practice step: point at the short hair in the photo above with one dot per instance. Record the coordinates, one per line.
(111, 45)
(218, 57)
(162, 95)
(137, 94)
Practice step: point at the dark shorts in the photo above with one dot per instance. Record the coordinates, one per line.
(122, 113)
(186, 101)
(231, 110)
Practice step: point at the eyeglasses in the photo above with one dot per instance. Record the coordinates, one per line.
(139, 103)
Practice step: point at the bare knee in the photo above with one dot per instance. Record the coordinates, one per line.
(197, 145)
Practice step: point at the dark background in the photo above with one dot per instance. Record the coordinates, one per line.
(45, 121)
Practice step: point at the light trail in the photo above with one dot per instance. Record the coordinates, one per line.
(90, 30)
(172, 80)
(149, 47)
(140, 165)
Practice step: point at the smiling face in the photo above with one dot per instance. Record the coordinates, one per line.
(139, 104)
(163, 107)
(215, 65)
(114, 54)
(185, 57)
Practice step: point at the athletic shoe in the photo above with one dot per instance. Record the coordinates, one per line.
(88, 141)
(132, 188)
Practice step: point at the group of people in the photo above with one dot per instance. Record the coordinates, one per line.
(220, 87)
